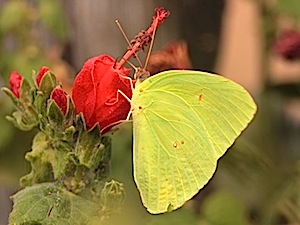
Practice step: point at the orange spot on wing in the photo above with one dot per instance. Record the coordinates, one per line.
(200, 97)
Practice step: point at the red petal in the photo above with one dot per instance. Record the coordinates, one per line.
(40, 75)
(60, 97)
(15, 81)
(83, 92)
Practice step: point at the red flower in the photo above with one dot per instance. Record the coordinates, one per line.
(60, 97)
(95, 92)
(40, 75)
(96, 88)
(288, 45)
(15, 82)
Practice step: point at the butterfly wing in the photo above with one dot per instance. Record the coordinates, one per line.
(183, 122)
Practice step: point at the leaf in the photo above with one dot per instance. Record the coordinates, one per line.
(45, 157)
(26, 92)
(48, 83)
(26, 117)
(13, 98)
(55, 115)
(183, 122)
(89, 148)
(17, 119)
(48, 204)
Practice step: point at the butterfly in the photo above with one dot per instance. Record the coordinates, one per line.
(183, 122)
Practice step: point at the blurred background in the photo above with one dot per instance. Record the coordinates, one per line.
(253, 42)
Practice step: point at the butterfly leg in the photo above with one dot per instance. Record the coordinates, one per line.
(128, 99)
(124, 95)
(128, 115)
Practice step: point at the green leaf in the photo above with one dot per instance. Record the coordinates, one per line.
(71, 112)
(26, 92)
(104, 164)
(11, 95)
(68, 133)
(39, 158)
(40, 103)
(26, 117)
(89, 148)
(49, 204)
(60, 158)
(48, 83)
(17, 119)
(183, 122)
(46, 158)
(55, 116)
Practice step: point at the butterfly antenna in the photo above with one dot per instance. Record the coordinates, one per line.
(127, 40)
(151, 45)
(132, 65)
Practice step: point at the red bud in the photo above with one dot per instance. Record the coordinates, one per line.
(60, 97)
(40, 75)
(95, 92)
(15, 81)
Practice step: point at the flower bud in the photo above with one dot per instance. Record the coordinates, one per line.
(41, 74)
(61, 99)
(112, 195)
(15, 81)
(95, 93)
